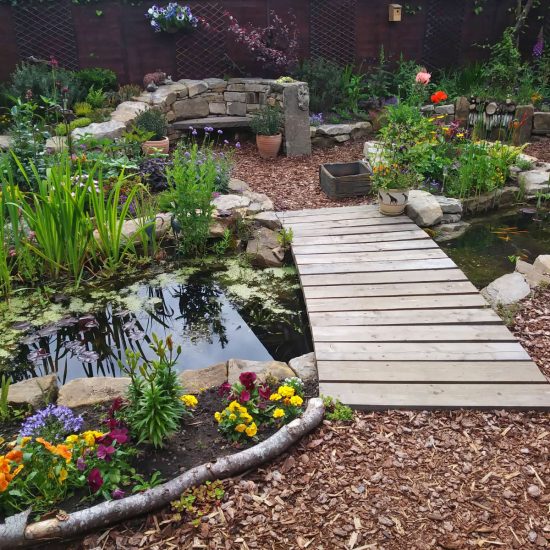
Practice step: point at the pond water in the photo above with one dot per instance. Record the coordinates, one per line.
(214, 312)
(490, 246)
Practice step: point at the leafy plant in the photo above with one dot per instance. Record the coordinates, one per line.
(153, 122)
(199, 501)
(63, 129)
(224, 244)
(336, 411)
(96, 98)
(97, 78)
(285, 237)
(266, 121)
(5, 413)
(353, 86)
(127, 92)
(82, 109)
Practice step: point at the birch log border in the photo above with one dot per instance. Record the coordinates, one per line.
(15, 533)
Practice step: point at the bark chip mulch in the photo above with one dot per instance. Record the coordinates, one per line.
(539, 149)
(293, 183)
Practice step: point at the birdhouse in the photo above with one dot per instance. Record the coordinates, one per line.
(395, 12)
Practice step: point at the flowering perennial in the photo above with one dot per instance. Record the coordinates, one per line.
(171, 18)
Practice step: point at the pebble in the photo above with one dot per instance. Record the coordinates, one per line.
(508, 494)
(376, 477)
(533, 491)
(532, 536)
(383, 520)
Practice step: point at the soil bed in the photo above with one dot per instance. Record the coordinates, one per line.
(539, 149)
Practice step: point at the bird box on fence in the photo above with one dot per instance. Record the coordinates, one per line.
(395, 12)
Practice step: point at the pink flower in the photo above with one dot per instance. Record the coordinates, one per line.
(120, 435)
(95, 481)
(423, 77)
(244, 397)
(264, 391)
(247, 379)
(117, 493)
(105, 452)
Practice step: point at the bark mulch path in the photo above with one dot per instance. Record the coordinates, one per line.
(539, 149)
(293, 183)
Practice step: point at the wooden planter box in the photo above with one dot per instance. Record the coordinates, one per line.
(348, 179)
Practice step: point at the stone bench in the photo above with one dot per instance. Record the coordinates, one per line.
(214, 122)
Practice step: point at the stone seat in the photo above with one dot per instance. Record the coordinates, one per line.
(214, 122)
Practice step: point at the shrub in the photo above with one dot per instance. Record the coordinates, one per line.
(82, 109)
(335, 410)
(128, 92)
(61, 129)
(267, 121)
(98, 78)
(152, 121)
(96, 98)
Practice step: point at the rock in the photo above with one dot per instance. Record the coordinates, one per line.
(322, 141)
(450, 218)
(238, 186)
(196, 107)
(305, 367)
(131, 227)
(194, 381)
(216, 84)
(165, 96)
(486, 201)
(449, 205)
(221, 223)
(534, 181)
(236, 108)
(217, 108)
(445, 109)
(334, 129)
(297, 141)
(462, 110)
(312, 131)
(127, 111)
(534, 491)
(342, 138)
(505, 290)
(235, 96)
(533, 276)
(541, 123)
(231, 202)
(269, 220)
(542, 264)
(259, 203)
(81, 392)
(263, 248)
(5, 142)
(423, 208)
(111, 129)
(263, 369)
(427, 109)
(522, 134)
(35, 392)
(55, 144)
(451, 231)
(361, 130)
(195, 87)
(372, 151)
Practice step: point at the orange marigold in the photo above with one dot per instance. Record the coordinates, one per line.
(15, 456)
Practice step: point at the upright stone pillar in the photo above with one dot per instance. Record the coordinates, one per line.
(297, 138)
(522, 124)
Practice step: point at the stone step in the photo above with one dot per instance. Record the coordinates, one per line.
(215, 122)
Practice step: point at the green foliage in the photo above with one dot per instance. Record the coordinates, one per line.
(61, 128)
(98, 78)
(324, 80)
(379, 78)
(97, 98)
(267, 121)
(353, 86)
(152, 121)
(336, 411)
(82, 109)
(524, 164)
(464, 81)
(224, 244)
(127, 92)
(155, 408)
(199, 501)
(285, 237)
(4, 405)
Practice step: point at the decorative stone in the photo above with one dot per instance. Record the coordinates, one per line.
(542, 264)
(194, 381)
(216, 84)
(236, 108)
(220, 224)
(259, 202)
(296, 119)
(35, 392)
(5, 142)
(533, 182)
(231, 202)
(269, 220)
(127, 111)
(237, 185)
(541, 123)
(217, 108)
(449, 205)
(522, 134)
(423, 208)
(164, 97)
(111, 129)
(334, 129)
(451, 218)
(263, 249)
(445, 109)
(462, 110)
(194, 87)
(305, 367)
(236, 87)
(427, 109)
(451, 231)
(342, 138)
(505, 290)
(533, 276)
(55, 144)
(235, 96)
(361, 130)
(258, 88)
(191, 108)
(82, 392)
(263, 369)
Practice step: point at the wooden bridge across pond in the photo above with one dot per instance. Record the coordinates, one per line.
(395, 323)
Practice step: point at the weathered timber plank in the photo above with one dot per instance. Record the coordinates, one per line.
(390, 277)
(345, 215)
(388, 289)
(395, 302)
(404, 317)
(319, 249)
(384, 236)
(422, 351)
(365, 267)
(358, 222)
(429, 371)
(413, 333)
(379, 256)
(372, 209)
(485, 396)
(299, 234)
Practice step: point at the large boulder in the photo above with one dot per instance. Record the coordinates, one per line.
(259, 202)
(542, 264)
(196, 107)
(127, 111)
(111, 129)
(423, 208)
(231, 202)
(536, 273)
(35, 392)
(541, 123)
(334, 129)
(264, 249)
(165, 96)
(263, 369)
(506, 290)
(269, 220)
(82, 392)
(194, 381)
(449, 205)
(533, 182)
(305, 367)
(450, 231)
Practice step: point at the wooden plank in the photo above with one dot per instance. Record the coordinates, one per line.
(359, 230)
(359, 222)
(404, 317)
(422, 351)
(372, 237)
(415, 244)
(366, 267)
(336, 279)
(413, 333)
(395, 302)
(429, 371)
(362, 257)
(486, 396)
(387, 289)
(343, 214)
(370, 208)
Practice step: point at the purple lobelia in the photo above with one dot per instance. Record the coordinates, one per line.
(53, 422)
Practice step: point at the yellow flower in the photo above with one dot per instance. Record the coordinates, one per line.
(461, 134)
(232, 417)
(90, 437)
(71, 440)
(246, 418)
(189, 400)
(217, 416)
(243, 410)
(296, 400)
(25, 440)
(240, 428)
(286, 391)
(63, 475)
(234, 405)
(278, 413)
(252, 430)
(1, 438)
(274, 397)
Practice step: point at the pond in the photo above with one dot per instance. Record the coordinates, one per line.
(215, 312)
(490, 246)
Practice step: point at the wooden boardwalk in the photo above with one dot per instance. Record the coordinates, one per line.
(395, 323)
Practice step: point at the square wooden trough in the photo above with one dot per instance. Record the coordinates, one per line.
(346, 179)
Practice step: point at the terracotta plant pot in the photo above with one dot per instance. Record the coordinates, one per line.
(392, 202)
(268, 146)
(151, 147)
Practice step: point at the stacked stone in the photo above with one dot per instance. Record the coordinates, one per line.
(328, 135)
